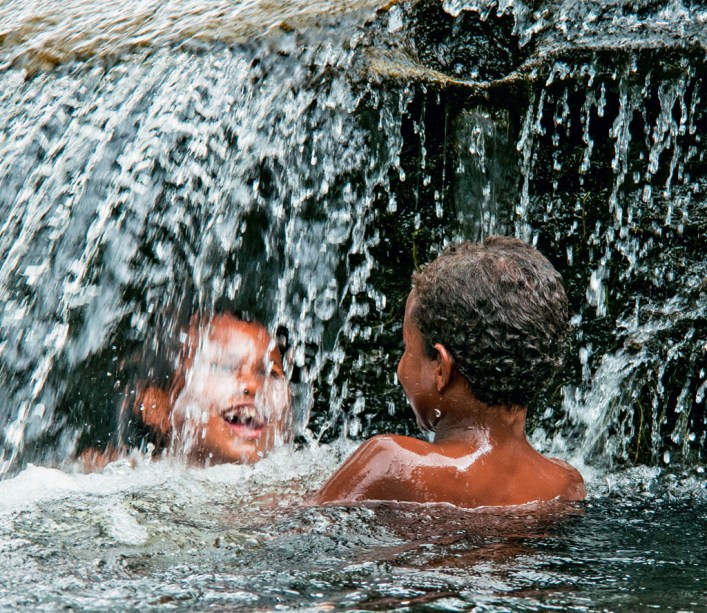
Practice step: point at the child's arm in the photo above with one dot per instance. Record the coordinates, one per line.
(369, 474)
(95, 460)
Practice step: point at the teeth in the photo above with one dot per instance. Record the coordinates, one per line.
(248, 412)
(242, 415)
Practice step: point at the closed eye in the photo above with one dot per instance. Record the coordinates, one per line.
(275, 371)
(222, 367)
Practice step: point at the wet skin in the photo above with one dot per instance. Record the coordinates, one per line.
(233, 402)
(480, 455)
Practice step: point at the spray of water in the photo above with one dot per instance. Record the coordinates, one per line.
(173, 158)
(134, 193)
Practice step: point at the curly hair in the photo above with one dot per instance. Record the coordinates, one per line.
(500, 309)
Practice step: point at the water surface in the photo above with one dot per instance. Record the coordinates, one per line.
(237, 538)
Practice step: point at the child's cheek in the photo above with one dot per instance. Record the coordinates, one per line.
(275, 398)
(193, 407)
(220, 389)
(189, 411)
(212, 388)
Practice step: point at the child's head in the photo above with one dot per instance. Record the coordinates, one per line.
(229, 400)
(500, 310)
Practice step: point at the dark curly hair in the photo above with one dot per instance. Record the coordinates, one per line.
(500, 309)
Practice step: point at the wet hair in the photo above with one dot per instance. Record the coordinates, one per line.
(500, 309)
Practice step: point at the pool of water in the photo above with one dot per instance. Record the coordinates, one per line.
(159, 536)
(112, 167)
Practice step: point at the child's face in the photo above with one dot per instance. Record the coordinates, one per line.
(235, 401)
(416, 372)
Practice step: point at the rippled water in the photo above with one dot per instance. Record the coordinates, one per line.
(162, 153)
(162, 537)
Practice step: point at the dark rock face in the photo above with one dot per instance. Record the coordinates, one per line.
(586, 139)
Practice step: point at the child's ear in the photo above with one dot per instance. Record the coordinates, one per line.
(443, 368)
(154, 408)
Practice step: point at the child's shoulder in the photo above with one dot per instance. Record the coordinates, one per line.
(393, 448)
(95, 460)
(574, 488)
(373, 472)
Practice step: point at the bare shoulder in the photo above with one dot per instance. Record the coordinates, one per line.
(574, 482)
(390, 447)
(371, 473)
(395, 444)
(379, 444)
(95, 460)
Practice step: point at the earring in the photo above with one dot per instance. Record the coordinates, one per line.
(438, 414)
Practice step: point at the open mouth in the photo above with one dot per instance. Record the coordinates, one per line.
(244, 420)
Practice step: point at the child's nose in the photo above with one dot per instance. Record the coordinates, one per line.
(249, 382)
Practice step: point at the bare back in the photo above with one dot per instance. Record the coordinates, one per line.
(468, 475)
(480, 455)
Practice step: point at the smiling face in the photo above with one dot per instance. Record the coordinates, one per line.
(416, 372)
(235, 401)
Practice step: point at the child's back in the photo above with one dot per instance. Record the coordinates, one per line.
(483, 331)
(390, 467)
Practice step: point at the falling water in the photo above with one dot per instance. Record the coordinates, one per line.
(300, 160)
(603, 168)
(632, 244)
(176, 177)
(158, 159)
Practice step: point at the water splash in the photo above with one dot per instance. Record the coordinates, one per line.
(187, 161)
(176, 178)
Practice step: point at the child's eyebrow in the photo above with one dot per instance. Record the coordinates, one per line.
(240, 358)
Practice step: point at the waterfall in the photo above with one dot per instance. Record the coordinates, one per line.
(582, 133)
(637, 209)
(163, 182)
(300, 161)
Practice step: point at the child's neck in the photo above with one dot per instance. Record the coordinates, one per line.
(468, 419)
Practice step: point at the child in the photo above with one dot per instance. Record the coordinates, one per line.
(483, 332)
(228, 401)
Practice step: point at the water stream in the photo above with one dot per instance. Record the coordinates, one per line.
(298, 161)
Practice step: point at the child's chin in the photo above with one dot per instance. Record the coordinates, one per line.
(246, 453)
(239, 452)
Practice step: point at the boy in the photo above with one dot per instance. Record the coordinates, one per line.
(483, 331)
(229, 400)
